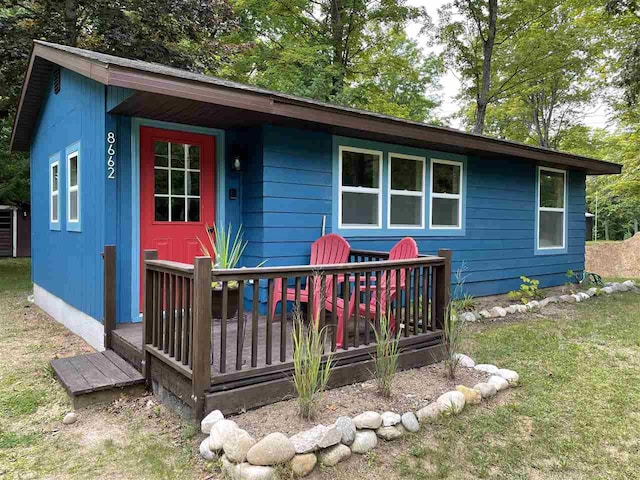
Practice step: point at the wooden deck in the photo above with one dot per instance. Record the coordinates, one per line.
(96, 377)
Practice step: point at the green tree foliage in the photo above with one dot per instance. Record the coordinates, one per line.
(353, 53)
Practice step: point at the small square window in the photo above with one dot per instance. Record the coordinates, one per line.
(360, 176)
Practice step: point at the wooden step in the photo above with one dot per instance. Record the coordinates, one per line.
(97, 377)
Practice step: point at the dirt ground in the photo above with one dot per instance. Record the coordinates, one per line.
(616, 259)
(485, 303)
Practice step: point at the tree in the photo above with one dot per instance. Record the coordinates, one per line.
(352, 52)
(627, 14)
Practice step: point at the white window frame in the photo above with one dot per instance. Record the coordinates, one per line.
(563, 210)
(377, 191)
(54, 193)
(452, 196)
(75, 188)
(406, 193)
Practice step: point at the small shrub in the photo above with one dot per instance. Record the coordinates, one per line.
(466, 303)
(528, 290)
(310, 373)
(386, 360)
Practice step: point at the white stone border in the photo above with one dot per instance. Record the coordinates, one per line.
(499, 312)
(90, 329)
(242, 458)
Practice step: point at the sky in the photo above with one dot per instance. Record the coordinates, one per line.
(596, 116)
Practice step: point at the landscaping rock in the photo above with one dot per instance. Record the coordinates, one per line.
(451, 402)
(577, 297)
(332, 456)
(219, 433)
(390, 433)
(229, 469)
(618, 287)
(509, 375)
(499, 382)
(511, 309)
(522, 309)
(390, 419)
(246, 471)
(318, 437)
(365, 441)
(583, 296)
(410, 422)
(429, 413)
(205, 452)
(236, 445)
(303, 465)
(552, 299)
(370, 420)
(486, 367)
(273, 449)
(532, 305)
(486, 390)
(347, 429)
(498, 312)
(70, 418)
(567, 299)
(210, 420)
(484, 314)
(471, 397)
(592, 291)
(465, 361)
(607, 290)
(629, 283)
(468, 317)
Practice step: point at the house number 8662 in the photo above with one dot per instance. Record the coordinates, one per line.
(111, 151)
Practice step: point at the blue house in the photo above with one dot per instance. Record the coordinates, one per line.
(141, 156)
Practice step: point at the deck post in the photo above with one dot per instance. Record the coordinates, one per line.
(200, 367)
(147, 321)
(109, 293)
(443, 288)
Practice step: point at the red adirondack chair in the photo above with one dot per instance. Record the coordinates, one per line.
(327, 250)
(403, 250)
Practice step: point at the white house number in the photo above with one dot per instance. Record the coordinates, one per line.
(111, 151)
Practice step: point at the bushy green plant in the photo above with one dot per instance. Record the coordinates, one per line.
(466, 303)
(310, 373)
(528, 290)
(386, 359)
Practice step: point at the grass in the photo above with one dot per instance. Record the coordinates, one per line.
(598, 242)
(15, 274)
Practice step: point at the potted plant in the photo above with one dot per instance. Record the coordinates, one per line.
(225, 253)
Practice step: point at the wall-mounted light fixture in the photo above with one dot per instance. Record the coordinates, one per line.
(236, 164)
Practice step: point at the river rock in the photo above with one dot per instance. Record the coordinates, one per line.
(370, 420)
(486, 367)
(236, 445)
(465, 361)
(273, 449)
(484, 314)
(486, 390)
(577, 297)
(471, 397)
(347, 429)
(365, 441)
(390, 419)
(468, 317)
(332, 456)
(390, 433)
(511, 309)
(303, 465)
(429, 413)
(70, 418)
(205, 451)
(316, 438)
(567, 299)
(592, 291)
(522, 308)
(499, 382)
(210, 420)
(498, 312)
(607, 290)
(509, 375)
(629, 283)
(532, 305)
(219, 433)
(451, 402)
(410, 422)
(246, 471)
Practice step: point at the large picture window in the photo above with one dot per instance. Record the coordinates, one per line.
(552, 186)
(360, 186)
(446, 194)
(54, 192)
(406, 191)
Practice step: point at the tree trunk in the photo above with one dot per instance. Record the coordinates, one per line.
(337, 30)
(71, 22)
(606, 230)
(482, 99)
(635, 226)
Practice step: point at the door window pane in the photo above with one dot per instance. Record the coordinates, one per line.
(445, 212)
(161, 154)
(194, 210)
(551, 189)
(177, 182)
(177, 155)
(177, 209)
(161, 181)
(406, 174)
(446, 178)
(162, 209)
(193, 183)
(359, 208)
(194, 157)
(406, 210)
(551, 229)
(360, 169)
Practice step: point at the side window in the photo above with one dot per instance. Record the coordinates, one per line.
(360, 188)
(74, 188)
(54, 192)
(406, 191)
(552, 185)
(446, 194)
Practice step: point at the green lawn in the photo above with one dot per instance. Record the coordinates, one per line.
(575, 415)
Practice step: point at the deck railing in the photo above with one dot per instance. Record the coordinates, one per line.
(254, 344)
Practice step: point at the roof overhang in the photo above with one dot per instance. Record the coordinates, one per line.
(165, 93)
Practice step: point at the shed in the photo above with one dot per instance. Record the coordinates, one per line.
(15, 231)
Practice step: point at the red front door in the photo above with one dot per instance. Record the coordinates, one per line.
(176, 192)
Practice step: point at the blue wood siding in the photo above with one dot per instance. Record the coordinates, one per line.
(292, 191)
(64, 262)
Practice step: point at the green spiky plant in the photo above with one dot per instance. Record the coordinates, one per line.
(454, 326)
(310, 373)
(386, 359)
